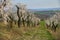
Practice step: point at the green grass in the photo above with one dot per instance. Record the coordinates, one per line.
(26, 33)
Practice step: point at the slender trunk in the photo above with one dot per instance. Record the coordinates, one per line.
(19, 20)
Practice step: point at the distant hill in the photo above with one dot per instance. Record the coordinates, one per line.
(45, 9)
(45, 13)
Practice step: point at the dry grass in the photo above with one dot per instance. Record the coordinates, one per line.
(24, 33)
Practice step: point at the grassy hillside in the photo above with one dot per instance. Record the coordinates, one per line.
(25, 33)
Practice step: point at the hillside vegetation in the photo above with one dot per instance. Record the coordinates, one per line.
(25, 33)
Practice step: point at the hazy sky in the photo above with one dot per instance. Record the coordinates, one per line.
(35, 4)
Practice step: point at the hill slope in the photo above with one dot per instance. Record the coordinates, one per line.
(25, 33)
